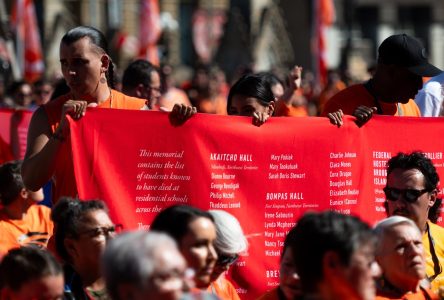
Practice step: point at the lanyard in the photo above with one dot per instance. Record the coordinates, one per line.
(436, 264)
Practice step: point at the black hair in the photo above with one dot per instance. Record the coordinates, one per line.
(97, 38)
(317, 233)
(418, 160)
(138, 72)
(11, 182)
(174, 220)
(415, 160)
(67, 216)
(252, 85)
(271, 78)
(22, 265)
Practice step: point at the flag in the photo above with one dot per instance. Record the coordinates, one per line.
(29, 48)
(149, 31)
(324, 17)
(208, 29)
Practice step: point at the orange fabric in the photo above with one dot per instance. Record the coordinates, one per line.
(329, 92)
(217, 105)
(284, 110)
(270, 295)
(5, 152)
(413, 296)
(350, 98)
(223, 289)
(64, 179)
(34, 229)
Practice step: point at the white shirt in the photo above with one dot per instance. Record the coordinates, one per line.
(430, 98)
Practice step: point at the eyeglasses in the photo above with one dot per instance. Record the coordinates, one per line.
(410, 195)
(103, 231)
(226, 259)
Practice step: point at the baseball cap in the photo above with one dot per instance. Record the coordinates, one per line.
(406, 51)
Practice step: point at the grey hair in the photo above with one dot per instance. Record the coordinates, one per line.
(386, 224)
(129, 258)
(230, 236)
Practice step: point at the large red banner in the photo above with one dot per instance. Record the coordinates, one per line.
(266, 176)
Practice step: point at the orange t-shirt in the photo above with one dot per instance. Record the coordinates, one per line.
(350, 98)
(223, 289)
(64, 180)
(34, 229)
(217, 105)
(284, 110)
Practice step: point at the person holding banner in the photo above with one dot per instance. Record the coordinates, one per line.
(411, 191)
(334, 257)
(402, 63)
(251, 96)
(195, 233)
(88, 71)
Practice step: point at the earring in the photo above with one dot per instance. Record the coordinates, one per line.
(102, 80)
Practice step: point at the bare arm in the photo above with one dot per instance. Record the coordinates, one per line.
(41, 152)
(43, 147)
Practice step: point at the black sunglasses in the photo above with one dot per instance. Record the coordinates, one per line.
(225, 259)
(410, 195)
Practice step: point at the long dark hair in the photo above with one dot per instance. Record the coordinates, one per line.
(97, 38)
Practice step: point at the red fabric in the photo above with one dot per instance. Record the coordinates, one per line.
(24, 22)
(325, 15)
(144, 164)
(64, 180)
(13, 133)
(149, 30)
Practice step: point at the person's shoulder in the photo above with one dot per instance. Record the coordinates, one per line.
(57, 102)
(41, 212)
(435, 228)
(347, 100)
(351, 90)
(127, 102)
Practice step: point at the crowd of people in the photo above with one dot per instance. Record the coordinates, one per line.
(74, 250)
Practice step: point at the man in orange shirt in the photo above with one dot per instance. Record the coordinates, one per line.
(22, 221)
(402, 63)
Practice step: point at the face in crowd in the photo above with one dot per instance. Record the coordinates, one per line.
(169, 275)
(401, 256)
(83, 66)
(361, 273)
(197, 246)
(407, 195)
(289, 282)
(85, 250)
